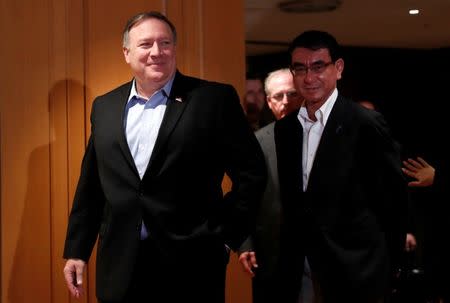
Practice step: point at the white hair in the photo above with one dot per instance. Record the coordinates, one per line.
(273, 74)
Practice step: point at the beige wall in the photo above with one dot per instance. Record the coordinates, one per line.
(58, 55)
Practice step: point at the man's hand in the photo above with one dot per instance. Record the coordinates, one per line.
(411, 242)
(420, 170)
(248, 262)
(73, 273)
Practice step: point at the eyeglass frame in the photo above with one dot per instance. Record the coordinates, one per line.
(278, 97)
(316, 68)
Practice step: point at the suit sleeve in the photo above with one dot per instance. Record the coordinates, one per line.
(245, 166)
(85, 216)
(247, 245)
(393, 191)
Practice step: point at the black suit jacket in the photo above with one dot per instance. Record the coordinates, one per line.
(350, 222)
(203, 135)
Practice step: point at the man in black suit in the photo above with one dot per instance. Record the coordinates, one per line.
(344, 198)
(150, 184)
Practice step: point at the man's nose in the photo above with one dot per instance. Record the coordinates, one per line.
(155, 49)
(309, 76)
(285, 98)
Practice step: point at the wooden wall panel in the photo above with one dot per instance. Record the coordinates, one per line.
(60, 55)
(223, 59)
(223, 47)
(188, 21)
(25, 211)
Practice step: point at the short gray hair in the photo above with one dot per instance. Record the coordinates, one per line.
(135, 20)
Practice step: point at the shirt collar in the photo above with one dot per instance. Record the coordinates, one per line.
(323, 112)
(328, 106)
(165, 90)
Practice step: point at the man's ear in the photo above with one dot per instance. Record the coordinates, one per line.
(339, 67)
(126, 51)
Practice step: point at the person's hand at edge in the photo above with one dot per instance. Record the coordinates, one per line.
(420, 170)
(248, 262)
(411, 243)
(73, 274)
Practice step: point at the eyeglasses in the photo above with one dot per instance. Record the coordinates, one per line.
(280, 96)
(315, 68)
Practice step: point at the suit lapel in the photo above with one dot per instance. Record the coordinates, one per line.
(120, 105)
(288, 143)
(328, 154)
(176, 104)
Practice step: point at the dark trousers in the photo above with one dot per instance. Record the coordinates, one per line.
(265, 290)
(156, 279)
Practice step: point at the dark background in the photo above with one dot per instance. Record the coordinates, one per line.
(410, 88)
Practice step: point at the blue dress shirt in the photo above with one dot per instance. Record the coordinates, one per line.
(142, 120)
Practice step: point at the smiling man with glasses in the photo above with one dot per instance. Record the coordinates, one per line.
(343, 194)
